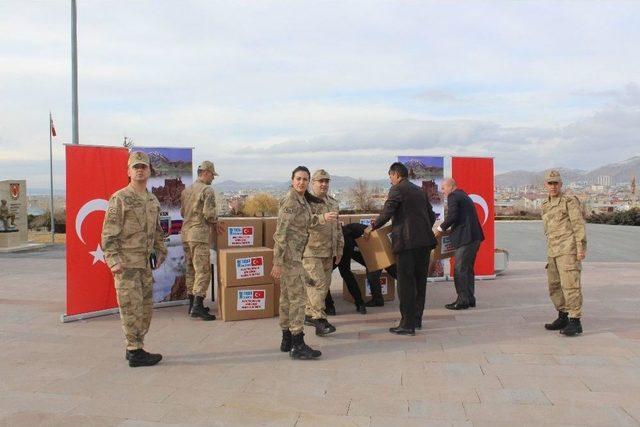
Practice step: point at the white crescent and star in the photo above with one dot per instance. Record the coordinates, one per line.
(479, 200)
(89, 207)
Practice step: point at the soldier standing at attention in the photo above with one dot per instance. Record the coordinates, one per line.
(323, 251)
(133, 244)
(566, 248)
(292, 232)
(198, 208)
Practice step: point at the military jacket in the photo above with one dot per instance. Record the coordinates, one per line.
(325, 240)
(131, 230)
(564, 225)
(198, 210)
(292, 229)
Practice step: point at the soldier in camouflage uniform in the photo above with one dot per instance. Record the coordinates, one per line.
(198, 210)
(133, 241)
(6, 215)
(292, 232)
(323, 251)
(566, 248)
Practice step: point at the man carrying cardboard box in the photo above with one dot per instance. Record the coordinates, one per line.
(412, 241)
(324, 248)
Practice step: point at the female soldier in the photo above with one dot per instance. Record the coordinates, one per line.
(290, 239)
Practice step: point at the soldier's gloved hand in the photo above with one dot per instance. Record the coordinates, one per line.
(580, 256)
(276, 272)
(331, 216)
(117, 268)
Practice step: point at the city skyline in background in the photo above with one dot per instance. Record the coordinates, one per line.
(261, 88)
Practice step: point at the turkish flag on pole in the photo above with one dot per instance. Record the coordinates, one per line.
(474, 175)
(93, 174)
(53, 129)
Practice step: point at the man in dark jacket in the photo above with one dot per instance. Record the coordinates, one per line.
(466, 236)
(412, 241)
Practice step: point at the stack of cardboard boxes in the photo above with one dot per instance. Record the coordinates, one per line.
(245, 287)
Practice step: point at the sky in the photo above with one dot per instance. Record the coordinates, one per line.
(261, 87)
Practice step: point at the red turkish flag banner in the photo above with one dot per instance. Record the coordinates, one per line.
(93, 175)
(474, 175)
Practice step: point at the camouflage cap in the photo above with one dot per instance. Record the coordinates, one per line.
(138, 158)
(320, 174)
(207, 166)
(552, 176)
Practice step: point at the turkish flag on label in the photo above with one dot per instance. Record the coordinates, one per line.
(474, 175)
(258, 294)
(247, 231)
(93, 175)
(256, 261)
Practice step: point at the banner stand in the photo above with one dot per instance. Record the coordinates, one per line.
(84, 316)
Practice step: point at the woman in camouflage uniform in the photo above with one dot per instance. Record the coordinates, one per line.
(290, 239)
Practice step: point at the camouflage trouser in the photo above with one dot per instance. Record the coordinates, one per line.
(198, 262)
(134, 288)
(292, 297)
(318, 283)
(563, 274)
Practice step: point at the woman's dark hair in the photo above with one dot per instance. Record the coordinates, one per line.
(310, 197)
(400, 169)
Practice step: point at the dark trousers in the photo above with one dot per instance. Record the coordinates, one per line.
(412, 266)
(463, 275)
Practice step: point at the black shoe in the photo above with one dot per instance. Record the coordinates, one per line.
(472, 304)
(573, 328)
(456, 306)
(374, 303)
(198, 310)
(142, 358)
(287, 342)
(323, 327)
(330, 310)
(309, 321)
(191, 305)
(418, 324)
(399, 330)
(560, 323)
(301, 350)
(360, 308)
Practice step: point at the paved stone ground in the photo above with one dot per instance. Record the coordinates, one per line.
(490, 366)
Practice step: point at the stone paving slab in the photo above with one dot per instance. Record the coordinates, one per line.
(494, 365)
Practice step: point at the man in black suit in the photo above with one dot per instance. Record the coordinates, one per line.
(412, 241)
(466, 236)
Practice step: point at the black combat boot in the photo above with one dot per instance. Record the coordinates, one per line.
(286, 343)
(573, 328)
(142, 358)
(302, 351)
(191, 305)
(323, 327)
(199, 310)
(361, 308)
(308, 320)
(560, 323)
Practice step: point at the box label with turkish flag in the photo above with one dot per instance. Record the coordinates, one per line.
(240, 236)
(251, 299)
(249, 267)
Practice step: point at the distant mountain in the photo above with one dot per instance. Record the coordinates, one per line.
(619, 172)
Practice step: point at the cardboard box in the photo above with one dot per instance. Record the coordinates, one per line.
(240, 233)
(269, 227)
(245, 266)
(387, 283)
(247, 302)
(377, 250)
(361, 218)
(445, 248)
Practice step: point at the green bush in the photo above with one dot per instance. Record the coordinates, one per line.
(630, 217)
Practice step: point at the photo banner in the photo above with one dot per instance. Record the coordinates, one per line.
(171, 172)
(474, 175)
(93, 175)
(427, 172)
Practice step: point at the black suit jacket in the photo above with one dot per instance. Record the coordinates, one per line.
(412, 216)
(462, 218)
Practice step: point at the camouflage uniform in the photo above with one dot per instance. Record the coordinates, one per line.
(292, 232)
(198, 209)
(325, 243)
(566, 237)
(6, 215)
(130, 234)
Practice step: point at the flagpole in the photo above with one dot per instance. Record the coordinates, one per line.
(53, 227)
(74, 73)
